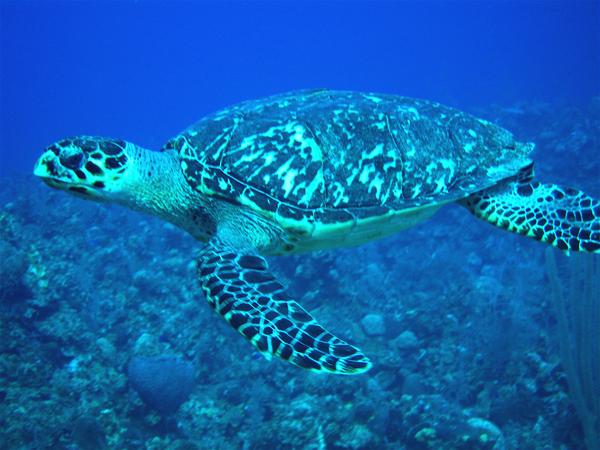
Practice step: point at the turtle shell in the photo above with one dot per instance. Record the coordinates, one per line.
(330, 156)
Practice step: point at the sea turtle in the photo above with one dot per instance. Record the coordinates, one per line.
(311, 170)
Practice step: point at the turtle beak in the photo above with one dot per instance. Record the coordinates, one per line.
(45, 166)
(49, 169)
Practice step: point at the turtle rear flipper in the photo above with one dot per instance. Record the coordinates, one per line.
(238, 285)
(561, 216)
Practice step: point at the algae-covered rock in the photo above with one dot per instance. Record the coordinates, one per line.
(373, 324)
(163, 382)
(406, 340)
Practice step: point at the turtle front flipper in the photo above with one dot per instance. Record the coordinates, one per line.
(238, 285)
(561, 216)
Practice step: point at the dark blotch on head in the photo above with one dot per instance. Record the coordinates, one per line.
(112, 147)
(51, 167)
(93, 168)
(113, 163)
(72, 161)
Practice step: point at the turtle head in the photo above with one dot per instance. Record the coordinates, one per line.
(111, 170)
(90, 167)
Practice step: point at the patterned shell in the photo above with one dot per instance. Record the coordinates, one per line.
(329, 156)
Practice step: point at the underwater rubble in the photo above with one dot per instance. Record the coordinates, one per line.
(103, 321)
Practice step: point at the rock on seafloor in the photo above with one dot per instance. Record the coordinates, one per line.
(163, 382)
(373, 324)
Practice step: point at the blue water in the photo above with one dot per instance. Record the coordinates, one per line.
(101, 314)
(145, 70)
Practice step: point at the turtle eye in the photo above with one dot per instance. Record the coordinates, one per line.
(72, 160)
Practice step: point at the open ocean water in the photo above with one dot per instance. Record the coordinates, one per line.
(479, 338)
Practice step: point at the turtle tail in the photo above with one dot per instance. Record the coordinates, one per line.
(560, 216)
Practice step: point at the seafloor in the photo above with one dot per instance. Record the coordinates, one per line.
(455, 314)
